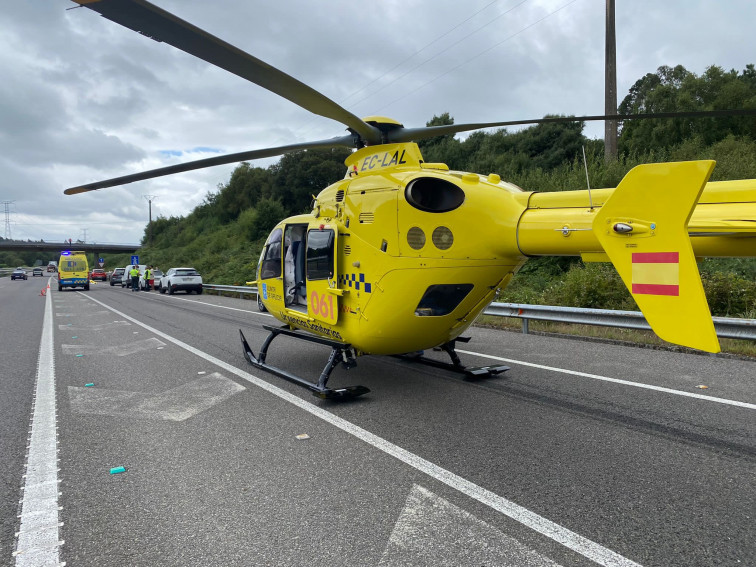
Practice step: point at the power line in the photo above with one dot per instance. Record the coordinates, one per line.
(406, 94)
(438, 38)
(476, 30)
(426, 46)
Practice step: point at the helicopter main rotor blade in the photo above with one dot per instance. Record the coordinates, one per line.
(160, 25)
(411, 134)
(347, 141)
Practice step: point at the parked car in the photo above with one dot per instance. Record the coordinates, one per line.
(37, 272)
(177, 279)
(98, 274)
(117, 276)
(19, 274)
(156, 275)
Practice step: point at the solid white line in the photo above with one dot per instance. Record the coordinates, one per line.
(251, 312)
(616, 380)
(555, 369)
(39, 509)
(593, 551)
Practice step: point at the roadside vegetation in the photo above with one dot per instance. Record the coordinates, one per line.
(223, 236)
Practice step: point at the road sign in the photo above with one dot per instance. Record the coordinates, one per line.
(135, 260)
(101, 260)
(101, 264)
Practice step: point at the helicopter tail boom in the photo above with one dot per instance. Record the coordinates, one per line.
(652, 227)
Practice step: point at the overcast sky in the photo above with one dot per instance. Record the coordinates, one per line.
(84, 99)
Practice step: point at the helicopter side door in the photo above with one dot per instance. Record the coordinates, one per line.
(295, 286)
(322, 292)
(269, 272)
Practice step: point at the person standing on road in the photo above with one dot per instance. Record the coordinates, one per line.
(134, 273)
(146, 277)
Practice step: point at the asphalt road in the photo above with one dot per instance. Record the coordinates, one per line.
(581, 454)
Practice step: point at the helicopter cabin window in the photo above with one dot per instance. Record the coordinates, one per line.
(271, 263)
(442, 299)
(320, 254)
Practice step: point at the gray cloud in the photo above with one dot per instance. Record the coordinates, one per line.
(82, 98)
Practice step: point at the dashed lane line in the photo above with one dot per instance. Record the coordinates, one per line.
(569, 539)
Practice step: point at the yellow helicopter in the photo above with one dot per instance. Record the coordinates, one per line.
(402, 255)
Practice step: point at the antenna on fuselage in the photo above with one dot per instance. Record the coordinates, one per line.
(587, 181)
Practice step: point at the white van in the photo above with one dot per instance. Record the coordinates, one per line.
(126, 281)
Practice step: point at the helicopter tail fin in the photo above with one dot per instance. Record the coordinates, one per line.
(643, 230)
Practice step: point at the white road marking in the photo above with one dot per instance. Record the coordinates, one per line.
(615, 380)
(176, 404)
(38, 538)
(577, 543)
(100, 327)
(552, 368)
(251, 312)
(433, 531)
(117, 350)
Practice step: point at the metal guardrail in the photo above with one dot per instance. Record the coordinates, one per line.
(726, 327)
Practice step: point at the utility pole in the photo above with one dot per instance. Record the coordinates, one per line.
(610, 88)
(7, 219)
(84, 231)
(150, 198)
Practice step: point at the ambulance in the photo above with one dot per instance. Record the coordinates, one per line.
(73, 270)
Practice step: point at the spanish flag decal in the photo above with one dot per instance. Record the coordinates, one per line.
(656, 273)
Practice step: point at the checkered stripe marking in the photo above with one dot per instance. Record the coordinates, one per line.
(356, 281)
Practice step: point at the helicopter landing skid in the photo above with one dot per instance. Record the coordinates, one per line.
(470, 372)
(340, 353)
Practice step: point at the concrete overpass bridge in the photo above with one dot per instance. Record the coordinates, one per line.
(56, 247)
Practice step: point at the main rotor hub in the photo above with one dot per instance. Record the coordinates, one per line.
(384, 124)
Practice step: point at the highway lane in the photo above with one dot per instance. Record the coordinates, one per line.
(492, 471)
(21, 308)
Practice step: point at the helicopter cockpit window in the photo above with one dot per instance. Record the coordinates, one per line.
(271, 264)
(320, 254)
(442, 299)
(434, 195)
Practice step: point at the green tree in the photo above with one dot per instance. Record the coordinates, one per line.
(244, 190)
(675, 89)
(301, 175)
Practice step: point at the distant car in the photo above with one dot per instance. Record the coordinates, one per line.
(178, 279)
(98, 274)
(38, 272)
(19, 274)
(117, 276)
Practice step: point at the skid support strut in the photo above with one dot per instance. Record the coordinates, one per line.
(340, 353)
(470, 372)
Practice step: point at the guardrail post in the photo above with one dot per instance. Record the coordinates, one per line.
(525, 326)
